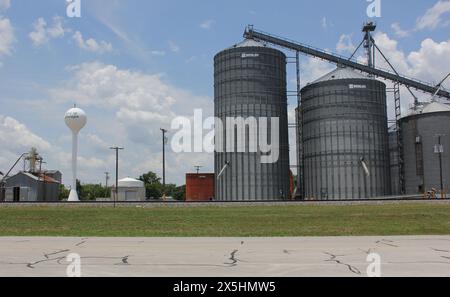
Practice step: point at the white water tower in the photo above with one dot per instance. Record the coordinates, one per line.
(76, 120)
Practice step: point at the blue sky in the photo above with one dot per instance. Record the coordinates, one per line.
(133, 65)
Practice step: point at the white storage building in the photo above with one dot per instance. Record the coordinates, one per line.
(130, 189)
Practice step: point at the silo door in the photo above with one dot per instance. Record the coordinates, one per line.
(16, 194)
(130, 196)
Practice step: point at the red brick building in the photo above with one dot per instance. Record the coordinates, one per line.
(200, 187)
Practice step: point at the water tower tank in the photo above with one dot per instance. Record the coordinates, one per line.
(345, 151)
(250, 81)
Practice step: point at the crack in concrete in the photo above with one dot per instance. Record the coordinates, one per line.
(334, 258)
(81, 243)
(422, 262)
(47, 256)
(233, 259)
(386, 242)
(33, 264)
(124, 261)
(367, 252)
(442, 251)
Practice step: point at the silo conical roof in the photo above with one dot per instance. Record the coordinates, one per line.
(436, 107)
(130, 183)
(341, 73)
(249, 43)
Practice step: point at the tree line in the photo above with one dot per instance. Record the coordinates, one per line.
(154, 189)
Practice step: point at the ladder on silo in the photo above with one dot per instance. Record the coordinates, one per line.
(398, 114)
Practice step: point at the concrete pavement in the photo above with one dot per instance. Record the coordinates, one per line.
(226, 257)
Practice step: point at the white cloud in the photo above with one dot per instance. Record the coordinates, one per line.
(207, 24)
(313, 69)
(108, 86)
(57, 30)
(191, 59)
(16, 136)
(7, 37)
(138, 104)
(42, 33)
(5, 4)
(91, 44)
(326, 23)
(429, 63)
(323, 23)
(432, 19)
(345, 44)
(174, 47)
(158, 53)
(39, 35)
(398, 31)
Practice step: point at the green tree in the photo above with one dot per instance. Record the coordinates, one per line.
(63, 192)
(153, 186)
(180, 193)
(90, 192)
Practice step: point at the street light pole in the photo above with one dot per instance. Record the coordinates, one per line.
(117, 149)
(164, 159)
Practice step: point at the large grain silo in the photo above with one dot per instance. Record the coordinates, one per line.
(345, 137)
(394, 159)
(250, 81)
(422, 162)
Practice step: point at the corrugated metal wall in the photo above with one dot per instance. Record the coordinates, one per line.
(393, 151)
(251, 82)
(341, 125)
(37, 190)
(421, 163)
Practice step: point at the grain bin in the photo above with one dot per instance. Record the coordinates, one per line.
(345, 137)
(250, 81)
(394, 159)
(420, 134)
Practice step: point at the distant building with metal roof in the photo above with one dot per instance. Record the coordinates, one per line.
(29, 187)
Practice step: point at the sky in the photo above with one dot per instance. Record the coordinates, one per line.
(135, 65)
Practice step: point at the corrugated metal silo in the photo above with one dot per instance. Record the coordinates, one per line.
(420, 134)
(345, 137)
(250, 81)
(393, 153)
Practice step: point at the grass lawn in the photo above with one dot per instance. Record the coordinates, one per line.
(259, 221)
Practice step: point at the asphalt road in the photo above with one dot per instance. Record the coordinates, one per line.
(221, 257)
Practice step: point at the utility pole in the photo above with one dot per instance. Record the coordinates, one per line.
(439, 149)
(42, 174)
(198, 168)
(117, 149)
(164, 160)
(106, 183)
